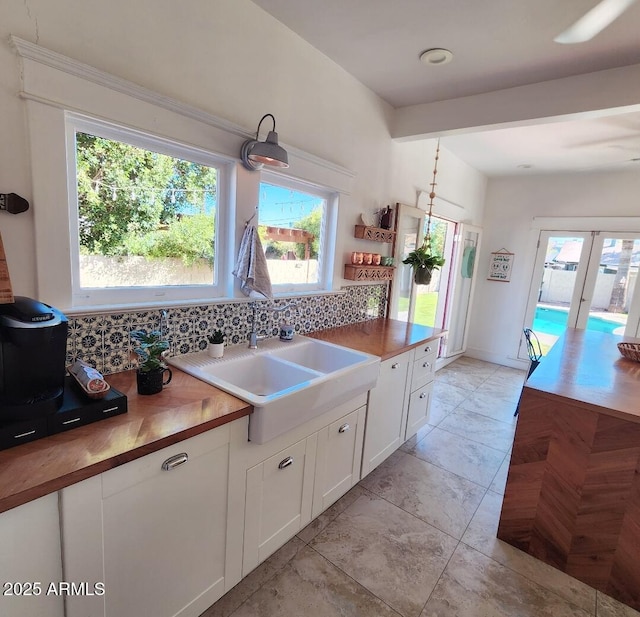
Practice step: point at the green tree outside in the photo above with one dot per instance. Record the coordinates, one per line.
(132, 201)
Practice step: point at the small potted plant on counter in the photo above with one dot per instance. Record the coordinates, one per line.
(151, 366)
(424, 261)
(216, 344)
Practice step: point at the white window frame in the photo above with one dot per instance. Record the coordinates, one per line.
(327, 246)
(82, 297)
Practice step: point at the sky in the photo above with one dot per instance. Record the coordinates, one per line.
(282, 207)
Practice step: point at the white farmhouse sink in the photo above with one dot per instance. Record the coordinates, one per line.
(288, 383)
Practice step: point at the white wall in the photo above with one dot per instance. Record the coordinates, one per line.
(226, 57)
(457, 182)
(511, 205)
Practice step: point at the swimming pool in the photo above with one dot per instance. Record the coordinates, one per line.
(554, 321)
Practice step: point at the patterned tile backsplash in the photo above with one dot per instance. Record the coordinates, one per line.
(102, 340)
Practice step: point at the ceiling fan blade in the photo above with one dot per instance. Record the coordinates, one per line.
(594, 21)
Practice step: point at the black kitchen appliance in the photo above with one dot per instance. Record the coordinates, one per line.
(33, 345)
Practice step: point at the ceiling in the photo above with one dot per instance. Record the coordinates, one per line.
(496, 45)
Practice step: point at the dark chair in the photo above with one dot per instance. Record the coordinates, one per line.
(535, 354)
(533, 349)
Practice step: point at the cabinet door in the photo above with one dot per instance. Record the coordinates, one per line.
(338, 459)
(386, 416)
(418, 415)
(155, 528)
(30, 553)
(279, 498)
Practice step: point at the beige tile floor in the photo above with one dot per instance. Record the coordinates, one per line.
(416, 538)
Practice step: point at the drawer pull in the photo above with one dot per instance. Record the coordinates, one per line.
(175, 461)
(286, 462)
(427, 349)
(423, 395)
(396, 365)
(426, 365)
(344, 428)
(24, 434)
(71, 421)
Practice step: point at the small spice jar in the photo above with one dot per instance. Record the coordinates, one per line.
(355, 258)
(376, 259)
(368, 258)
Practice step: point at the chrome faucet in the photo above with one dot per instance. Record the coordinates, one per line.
(254, 337)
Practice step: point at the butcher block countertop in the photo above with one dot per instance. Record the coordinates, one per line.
(586, 367)
(186, 407)
(380, 337)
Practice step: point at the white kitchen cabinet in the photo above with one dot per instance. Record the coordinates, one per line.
(282, 484)
(338, 461)
(279, 500)
(30, 560)
(422, 376)
(153, 530)
(386, 411)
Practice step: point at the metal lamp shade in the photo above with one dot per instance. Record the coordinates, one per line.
(255, 153)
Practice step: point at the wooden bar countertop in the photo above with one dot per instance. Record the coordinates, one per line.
(586, 366)
(572, 497)
(380, 337)
(186, 407)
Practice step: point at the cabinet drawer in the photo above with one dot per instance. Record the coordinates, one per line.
(425, 349)
(424, 369)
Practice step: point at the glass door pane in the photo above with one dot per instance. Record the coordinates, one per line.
(430, 299)
(464, 269)
(615, 261)
(558, 264)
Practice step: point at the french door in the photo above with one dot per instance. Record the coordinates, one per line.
(444, 303)
(584, 280)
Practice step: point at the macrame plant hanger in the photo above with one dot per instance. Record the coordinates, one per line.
(426, 242)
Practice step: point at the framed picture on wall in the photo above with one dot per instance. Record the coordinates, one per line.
(500, 266)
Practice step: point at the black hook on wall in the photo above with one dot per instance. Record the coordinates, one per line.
(13, 203)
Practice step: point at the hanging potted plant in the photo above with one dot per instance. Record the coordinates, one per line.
(423, 261)
(151, 367)
(216, 344)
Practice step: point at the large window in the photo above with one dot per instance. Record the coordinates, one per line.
(294, 223)
(145, 217)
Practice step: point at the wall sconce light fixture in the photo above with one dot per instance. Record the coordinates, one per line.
(255, 153)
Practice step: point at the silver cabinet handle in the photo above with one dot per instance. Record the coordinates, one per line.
(396, 365)
(286, 462)
(423, 395)
(427, 348)
(426, 365)
(344, 428)
(175, 461)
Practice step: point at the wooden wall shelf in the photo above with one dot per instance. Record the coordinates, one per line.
(368, 273)
(377, 234)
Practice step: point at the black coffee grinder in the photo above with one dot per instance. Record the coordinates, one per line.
(33, 344)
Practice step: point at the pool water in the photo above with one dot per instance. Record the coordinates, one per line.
(554, 321)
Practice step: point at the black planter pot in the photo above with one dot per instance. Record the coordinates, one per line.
(422, 276)
(151, 382)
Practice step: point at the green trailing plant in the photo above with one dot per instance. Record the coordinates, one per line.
(150, 349)
(216, 337)
(423, 257)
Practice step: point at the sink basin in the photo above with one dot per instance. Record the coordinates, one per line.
(288, 383)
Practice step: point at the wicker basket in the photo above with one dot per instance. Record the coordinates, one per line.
(630, 350)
